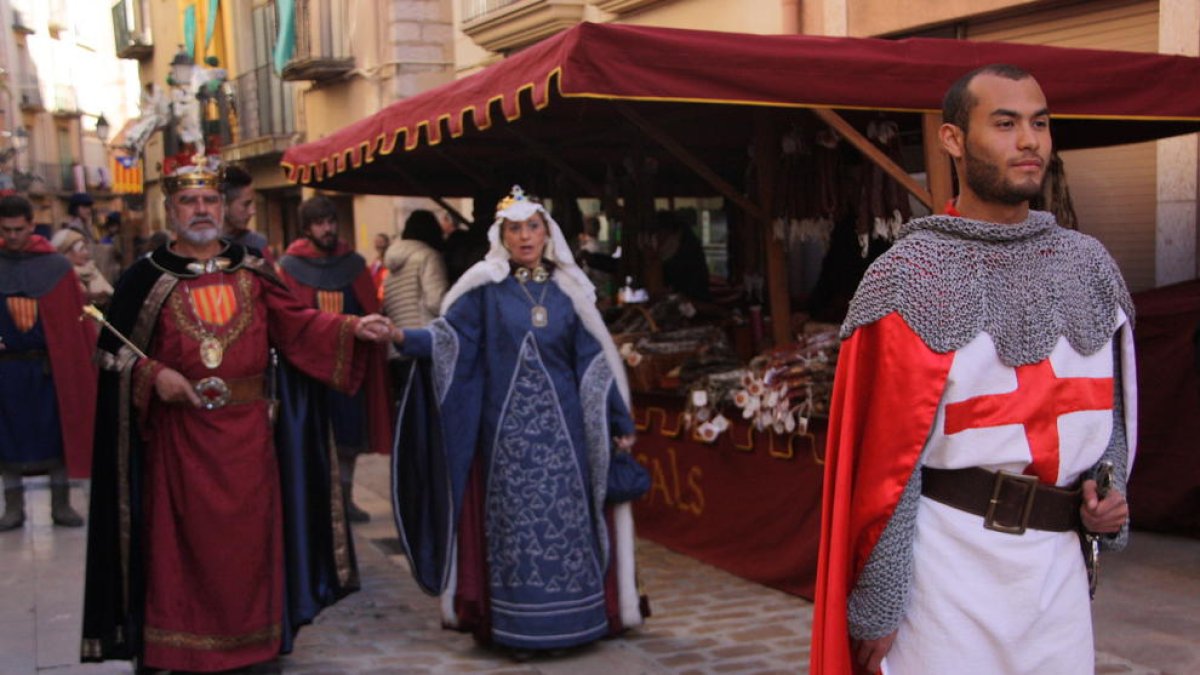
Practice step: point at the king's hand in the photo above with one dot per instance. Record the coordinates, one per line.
(373, 328)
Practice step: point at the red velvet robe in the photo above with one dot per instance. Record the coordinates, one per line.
(213, 519)
(379, 416)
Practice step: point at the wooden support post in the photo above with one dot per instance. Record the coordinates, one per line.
(689, 160)
(766, 162)
(866, 147)
(937, 162)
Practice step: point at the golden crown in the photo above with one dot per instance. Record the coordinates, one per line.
(514, 196)
(203, 172)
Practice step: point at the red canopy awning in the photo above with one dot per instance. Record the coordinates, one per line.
(432, 142)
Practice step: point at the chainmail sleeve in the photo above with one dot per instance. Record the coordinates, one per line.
(1117, 451)
(876, 605)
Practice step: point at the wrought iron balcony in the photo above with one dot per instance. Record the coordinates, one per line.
(322, 49)
(130, 31)
(263, 117)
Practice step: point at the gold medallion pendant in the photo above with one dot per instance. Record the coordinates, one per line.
(211, 352)
(539, 316)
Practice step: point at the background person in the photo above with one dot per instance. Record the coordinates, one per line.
(323, 272)
(47, 381)
(71, 245)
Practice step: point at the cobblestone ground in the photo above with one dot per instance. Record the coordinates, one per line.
(705, 621)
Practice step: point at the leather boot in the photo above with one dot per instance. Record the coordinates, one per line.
(353, 513)
(14, 509)
(60, 506)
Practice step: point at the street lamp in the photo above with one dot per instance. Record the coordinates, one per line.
(20, 139)
(102, 129)
(182, 67)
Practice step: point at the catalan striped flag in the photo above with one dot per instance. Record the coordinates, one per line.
(215, 304)
(24, 312)
(331, 301)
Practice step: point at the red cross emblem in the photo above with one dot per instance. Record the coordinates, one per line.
(1040, 399)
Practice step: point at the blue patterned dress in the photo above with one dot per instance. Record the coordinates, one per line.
(537, 407)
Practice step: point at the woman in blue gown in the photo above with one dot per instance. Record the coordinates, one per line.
(503, 449)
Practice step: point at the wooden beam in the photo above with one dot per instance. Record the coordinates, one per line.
(479, 179)
(689, 160)
(454, 213)
(866, 147)
(766, 161)
(554, 159)
(937, 162)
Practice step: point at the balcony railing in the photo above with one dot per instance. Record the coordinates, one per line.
(322, 41)
(31, 97)
(66, 100)
(264, 105)
(130, 31)
(55, 177)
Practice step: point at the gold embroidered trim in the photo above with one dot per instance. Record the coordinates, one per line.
(346, 572)
(142, 379)
(191, 326)
(147, 319)
(211, 643)
(343, 345)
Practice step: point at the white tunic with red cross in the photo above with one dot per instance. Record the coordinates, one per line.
(983, 601)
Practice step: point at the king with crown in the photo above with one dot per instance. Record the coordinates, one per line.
(217, 528)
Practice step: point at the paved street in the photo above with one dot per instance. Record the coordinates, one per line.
(705, 621)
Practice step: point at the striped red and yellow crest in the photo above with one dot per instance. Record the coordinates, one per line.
(215, 304)
(23, 311)
(331, 301)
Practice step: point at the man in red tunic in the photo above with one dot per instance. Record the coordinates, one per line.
(206, 553)
(47, 381)
(324, 272)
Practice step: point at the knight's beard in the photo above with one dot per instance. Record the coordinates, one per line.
(328, 245)
(198, 237)
(987, 181)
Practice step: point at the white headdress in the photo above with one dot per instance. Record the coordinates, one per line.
(570, 278)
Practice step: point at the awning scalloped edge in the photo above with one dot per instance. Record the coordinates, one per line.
(386, 144)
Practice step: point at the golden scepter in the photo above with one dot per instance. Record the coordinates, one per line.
(91, 312)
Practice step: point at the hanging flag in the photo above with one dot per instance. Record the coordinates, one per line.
(189, 31)
(285, 43)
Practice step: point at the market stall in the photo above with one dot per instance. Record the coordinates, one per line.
(627, 114)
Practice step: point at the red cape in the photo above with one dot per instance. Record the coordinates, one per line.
(885, 398)
(70, 343)
(379, 418)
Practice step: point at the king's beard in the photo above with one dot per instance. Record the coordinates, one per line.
(198, 237)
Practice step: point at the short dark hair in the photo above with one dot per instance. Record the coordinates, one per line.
(958, 101)
(233, 179)
(423, 226)
(315, 209)
(16, 206)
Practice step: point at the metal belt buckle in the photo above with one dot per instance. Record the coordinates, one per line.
(1002, 478)
(213, 391)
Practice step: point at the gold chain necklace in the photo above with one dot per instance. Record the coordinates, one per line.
(538, 315)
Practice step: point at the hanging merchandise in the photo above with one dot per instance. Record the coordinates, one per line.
(883, 205)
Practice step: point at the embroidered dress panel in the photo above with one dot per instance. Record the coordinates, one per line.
(544, 574)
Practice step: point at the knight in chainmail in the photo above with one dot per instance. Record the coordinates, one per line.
(987, 371)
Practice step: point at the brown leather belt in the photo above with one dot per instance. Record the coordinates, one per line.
(217, 393)
(1008, 502)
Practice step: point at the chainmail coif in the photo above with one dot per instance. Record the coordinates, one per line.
(1025, 285)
